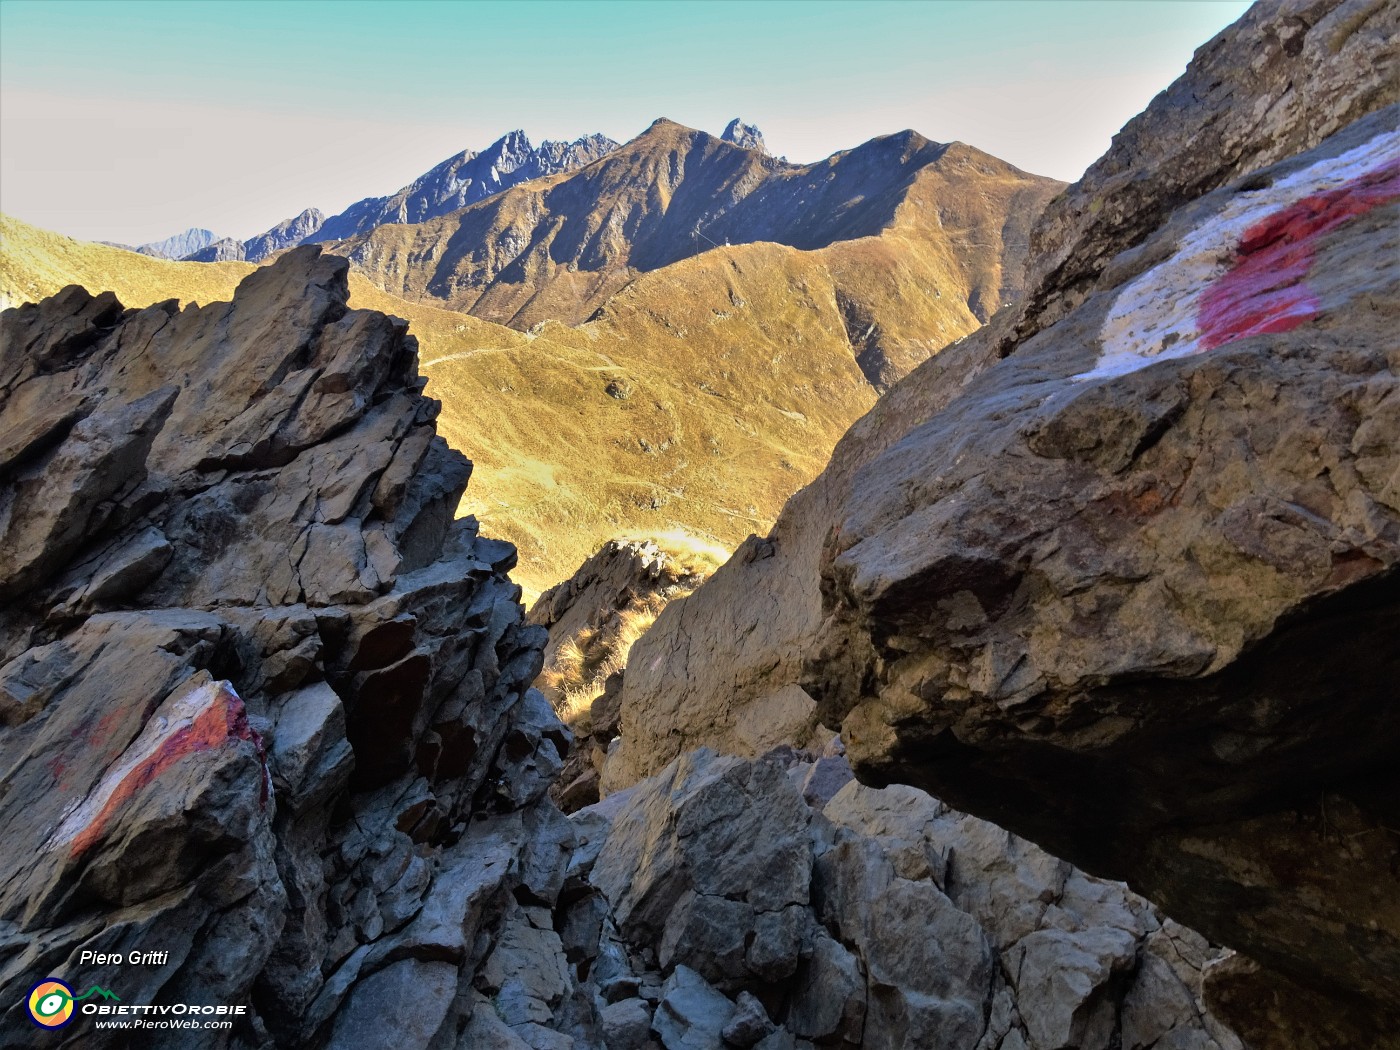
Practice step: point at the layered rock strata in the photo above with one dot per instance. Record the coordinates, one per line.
(776, 903)
(265, 705)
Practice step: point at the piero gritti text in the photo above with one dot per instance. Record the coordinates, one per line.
(132, 958)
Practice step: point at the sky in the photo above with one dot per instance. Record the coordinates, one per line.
(130, 121)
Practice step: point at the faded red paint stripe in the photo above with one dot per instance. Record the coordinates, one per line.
(223, 720)
(1265, 289)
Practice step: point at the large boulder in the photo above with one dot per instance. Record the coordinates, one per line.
(265, 708)
(1132, 594)
(1118, 571)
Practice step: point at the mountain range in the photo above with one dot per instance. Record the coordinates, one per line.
(177, 246)
(561, 247)
(458, 181)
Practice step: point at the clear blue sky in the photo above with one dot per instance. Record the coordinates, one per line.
(131, 120)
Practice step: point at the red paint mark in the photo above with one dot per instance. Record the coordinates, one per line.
(1264, 290)
(224, 720)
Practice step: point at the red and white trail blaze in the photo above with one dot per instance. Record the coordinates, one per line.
(1244, 271)
(206, 718)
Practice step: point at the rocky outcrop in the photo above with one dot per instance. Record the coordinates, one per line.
(777, 903)
(1129, 590)
(745, 135)
(264, 706)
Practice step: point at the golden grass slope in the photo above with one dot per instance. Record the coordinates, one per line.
(35, 263)
(667, 411)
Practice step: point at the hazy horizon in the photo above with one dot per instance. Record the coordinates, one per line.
(133, 121)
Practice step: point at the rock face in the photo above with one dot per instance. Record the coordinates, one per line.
(180, 245)
(265, 706)
(746, 135)
(790, 906)
(1130, 590)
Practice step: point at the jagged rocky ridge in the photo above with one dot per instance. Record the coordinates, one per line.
(896, 217)
(465, 179)
(286, 234)
(456, 182)
(1118, 571)
(265, 705)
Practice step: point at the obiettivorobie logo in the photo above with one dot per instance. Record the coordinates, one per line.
(51, 1001)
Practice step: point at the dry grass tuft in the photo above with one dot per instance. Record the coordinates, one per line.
(583, 664)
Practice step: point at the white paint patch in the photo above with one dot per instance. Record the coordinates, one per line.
(1154, 318)
(171, 718)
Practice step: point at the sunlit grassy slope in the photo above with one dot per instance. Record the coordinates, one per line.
(707, 393)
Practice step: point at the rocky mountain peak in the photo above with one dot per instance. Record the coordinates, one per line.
(746, 135)
(464, 179)
(180, 245)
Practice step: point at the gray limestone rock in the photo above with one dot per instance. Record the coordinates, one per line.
(263, 705)
(692, 1015)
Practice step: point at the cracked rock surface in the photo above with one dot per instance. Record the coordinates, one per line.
(738, 910)
(264, 705)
